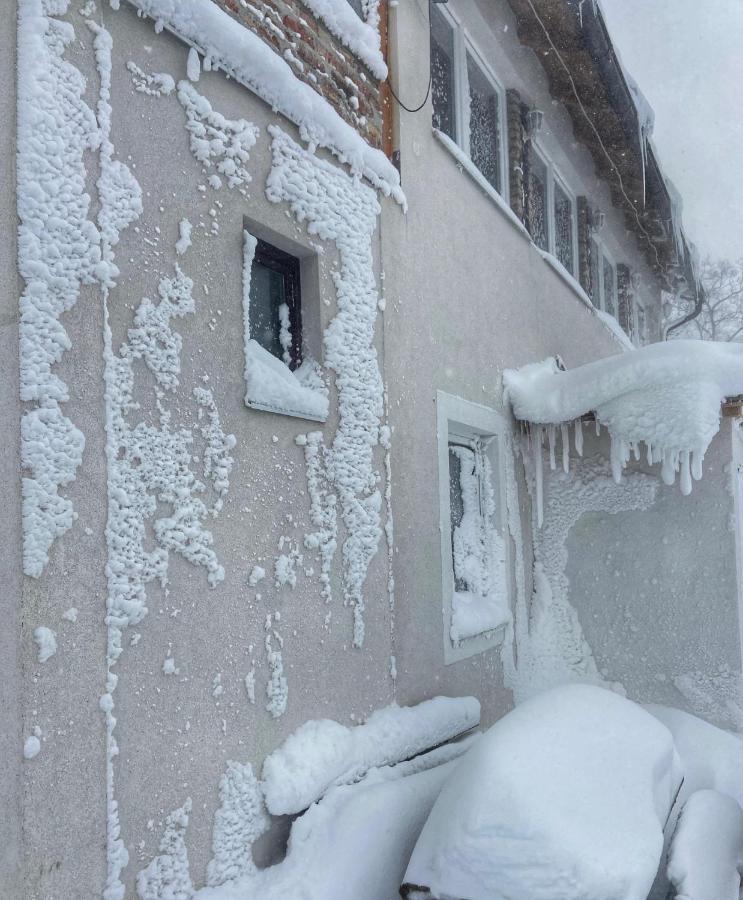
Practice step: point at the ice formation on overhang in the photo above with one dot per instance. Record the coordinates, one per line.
(666, 396)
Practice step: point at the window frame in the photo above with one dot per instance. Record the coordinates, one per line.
(555, 177)
(463, 44)
(465, 421)
(604, 254)
(289, 267)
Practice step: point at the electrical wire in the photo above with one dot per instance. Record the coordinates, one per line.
(425, 99)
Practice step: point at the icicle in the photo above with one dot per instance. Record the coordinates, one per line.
(697, 459)
(539, 474)
(668, 470)
(551, 435)
(598, 427)
(650, 452)
(565, 438)
(579, 437)
(685, 473)
(657, 455)
(616, 458)
(635, 450)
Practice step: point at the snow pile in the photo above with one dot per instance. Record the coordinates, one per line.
(479, 553)
(706, 858)
(244, 56)
(711, 757)
(322, 752)
(360, 37)
(666, 396)
(342, 209)
(58, 251)
(566, 796)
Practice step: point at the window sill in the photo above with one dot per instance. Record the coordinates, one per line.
(471, 169)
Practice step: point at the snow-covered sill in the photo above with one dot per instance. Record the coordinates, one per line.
(471, 169)
(283, 411)
(495, 636)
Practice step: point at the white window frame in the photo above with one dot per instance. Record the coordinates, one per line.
(463, 44)
(459, 418)
(604, 253)
(554, 176)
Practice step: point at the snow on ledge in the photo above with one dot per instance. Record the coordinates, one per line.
(360, 37)
(322, 752)
(667, 396)
(248, 59)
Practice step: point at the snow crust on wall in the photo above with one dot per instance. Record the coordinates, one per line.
(550, 647)
(46, 641)
(714, 695)
(58, 251)
(341, 209)
(167, 876)
(244, 56)
(361, 38)
(323, 752)
(157, 84)
(478, 553)
(666, 396)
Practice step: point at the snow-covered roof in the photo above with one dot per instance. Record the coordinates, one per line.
(667, 396)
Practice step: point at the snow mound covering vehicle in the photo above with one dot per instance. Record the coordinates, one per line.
(565, 798)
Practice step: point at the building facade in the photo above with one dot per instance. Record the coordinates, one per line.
(260, 466)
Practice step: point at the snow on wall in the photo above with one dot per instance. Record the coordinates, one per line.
(168, 873)
(323, 514)
(323, 752)
(244, 56)
(339, 208)
(361, 38)
(550, 647)
(58, 251)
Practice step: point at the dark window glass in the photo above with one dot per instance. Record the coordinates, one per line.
(564, 228)
(537, 201)
(275, 321)
(595, 287)
(610, 291)
(442, 73)
(456, 502)
(484, 124)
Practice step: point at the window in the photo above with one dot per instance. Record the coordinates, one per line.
(603, 279)
(280, 376)
(474, 545)
(550, 210)
(468, 102)
(275, 321)
(639, 323)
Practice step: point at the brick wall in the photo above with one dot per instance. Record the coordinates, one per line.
(318, 58)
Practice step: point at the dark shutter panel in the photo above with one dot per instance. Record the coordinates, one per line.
(584, 247)
(624, 291)
(515, 120)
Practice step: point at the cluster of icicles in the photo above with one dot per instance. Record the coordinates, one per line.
(687, 462)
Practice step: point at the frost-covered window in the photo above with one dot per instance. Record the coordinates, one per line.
(468, 101)
(275, 311)
(485, 113)
(565, 224)
(603, 279)
(442, 74)
(537, 200)
(475, 561)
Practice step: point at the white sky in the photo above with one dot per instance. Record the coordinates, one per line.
(687, 57)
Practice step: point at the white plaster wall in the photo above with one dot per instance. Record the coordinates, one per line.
(656, 591)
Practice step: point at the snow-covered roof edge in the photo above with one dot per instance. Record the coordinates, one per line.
(667, 396)
(361, 38)
(248, 59)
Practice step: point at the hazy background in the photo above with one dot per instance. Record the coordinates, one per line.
(687, 57)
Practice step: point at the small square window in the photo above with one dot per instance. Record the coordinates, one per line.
(485, 149)
(475, 559)
(564, 228)
(537, 203)
(275, 303)
(442, 74)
